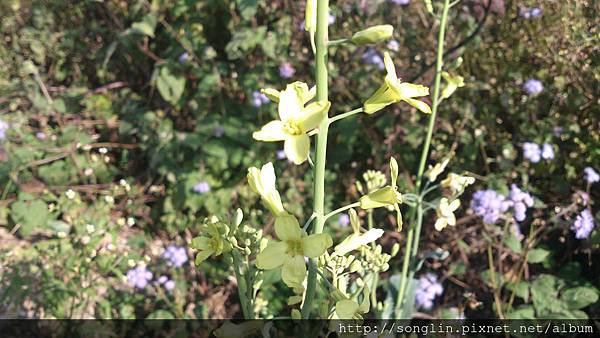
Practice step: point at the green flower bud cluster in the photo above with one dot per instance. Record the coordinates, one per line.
(374, 179)
(373, 260)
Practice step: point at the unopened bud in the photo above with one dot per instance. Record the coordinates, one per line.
(373, 35)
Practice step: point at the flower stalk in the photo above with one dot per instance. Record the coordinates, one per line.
(321, 43)
(414, 232)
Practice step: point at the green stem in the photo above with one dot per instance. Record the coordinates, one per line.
(321, 40)
(414, 233)
(246, 302)
(344, 115)
(344, 208)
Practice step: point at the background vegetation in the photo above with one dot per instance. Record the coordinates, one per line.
(123, 124)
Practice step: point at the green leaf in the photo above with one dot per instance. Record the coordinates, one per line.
(30, 214)
(522, 312)
(170, 86)
(579, 297)
(247, 8)
(520, 289)
(537, 255)
(147, 25)
(513, 244)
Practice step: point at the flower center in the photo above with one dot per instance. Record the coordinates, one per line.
(294, 248)
(291, 128)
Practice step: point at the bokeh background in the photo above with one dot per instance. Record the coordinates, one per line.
(123, 124)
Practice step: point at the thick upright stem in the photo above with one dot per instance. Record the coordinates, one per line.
(322, 95)
(414, 232)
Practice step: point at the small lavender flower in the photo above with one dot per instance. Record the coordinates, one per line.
(547, 151)
(583, 225)
(286, 70)
(525, 12)
(401, 2)
(169, 285)
(535, 12)
(371, 56)
(40, 136)
(280, 155)
(520, 201)
(183, 57)
(258, 98)
(201, 187)
(344, 220)
(175, 255)
(393, 45)
(533, 86)
(489, 205)
(162, 279)
(590, 175)
(532, 152)
(138, 277)
(3, 128)
(427, 290)
(331, 19)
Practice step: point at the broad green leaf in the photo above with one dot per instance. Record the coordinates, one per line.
(170, 86)
(147, 25)
(579, 297)
(537, 255)
(29, 214)
(522, 312)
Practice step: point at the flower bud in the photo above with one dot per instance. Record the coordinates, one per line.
(373, 34)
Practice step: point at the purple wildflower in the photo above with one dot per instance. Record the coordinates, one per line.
(280, 154)
(183, 57)
(258, 99)
(175, 255)
(393, 45)
(401, 2)
(520, 201)
(371, 56)
(427, 290)
(3, 128)
(489, 205)
(138, 277)
(533, 86)
(162, 279)
(583, 225)
(344, 220)
(590, 175)
(532, 152)
(286, 70)
(40, 136)
(331, 19)
(535, 12)
(169, 285)
(201, 187)
(547, 151)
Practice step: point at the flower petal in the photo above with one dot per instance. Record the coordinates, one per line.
(355, 241)
(312, 115)
(390, 68)
(293, 271)
(420, 105)
(272, 256)
(410, 90)
(296, 148)
(315, 245)
(290, 101)
(270, 132)
(287, 227)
